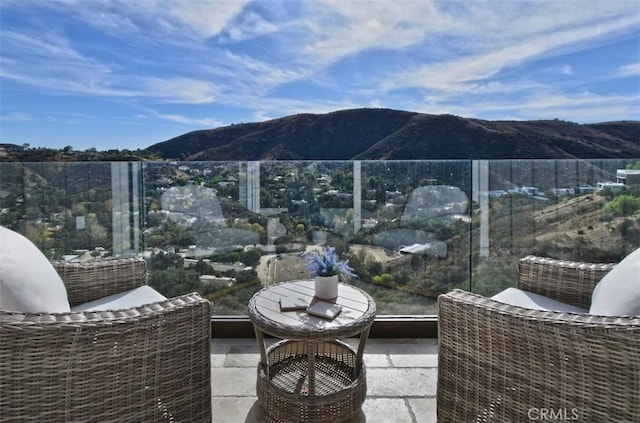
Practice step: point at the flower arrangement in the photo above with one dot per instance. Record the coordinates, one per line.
(327, 263)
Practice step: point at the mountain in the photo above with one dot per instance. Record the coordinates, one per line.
(375, 134)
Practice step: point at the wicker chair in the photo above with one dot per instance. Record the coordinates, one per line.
(145, 364)
(501, 363)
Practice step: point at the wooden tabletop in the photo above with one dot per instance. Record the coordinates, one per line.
(358, 312)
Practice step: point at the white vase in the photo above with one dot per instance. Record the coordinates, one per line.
(326, 287)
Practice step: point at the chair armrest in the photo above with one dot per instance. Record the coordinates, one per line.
(150, 363)
(97, 279)
(567, 281)
(498, 362)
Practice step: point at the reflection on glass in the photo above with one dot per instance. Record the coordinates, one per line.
(428, 209)
(197, 209)
(411, 229)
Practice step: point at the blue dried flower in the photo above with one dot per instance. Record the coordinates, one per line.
(326, 263)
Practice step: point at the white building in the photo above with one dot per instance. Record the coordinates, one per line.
(628, 176)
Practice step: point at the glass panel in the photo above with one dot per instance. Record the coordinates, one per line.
(411, 229)
(236, 227)
(199, 233)
(413, 236)
(68, 209)
(549, 208)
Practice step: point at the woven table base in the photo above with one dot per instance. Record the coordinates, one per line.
(340, 388)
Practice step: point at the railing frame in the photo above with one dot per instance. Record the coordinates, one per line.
(383, 327)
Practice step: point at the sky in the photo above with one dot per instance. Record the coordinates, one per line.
(126, 74)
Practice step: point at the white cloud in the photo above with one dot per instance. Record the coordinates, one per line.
(251, 25)
(457, 74)
(262, 115)
(68, 70)
(16, 117)
(256, 74)
(182, 19)
(581, 107)
(466, 44)
(567, 70)
(204, 18)
(632, 69)
(48, 61)
(179, 90)
(339, 28)
(207, 122)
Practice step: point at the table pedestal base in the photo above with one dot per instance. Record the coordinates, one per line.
(337, 393)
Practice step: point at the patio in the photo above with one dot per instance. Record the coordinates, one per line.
(402, 371)
(401, 381)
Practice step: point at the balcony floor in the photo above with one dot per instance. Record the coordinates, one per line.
(401, 381)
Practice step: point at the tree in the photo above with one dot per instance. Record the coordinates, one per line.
(203, 268)
(635, 166)
(164, 261)
(175, 282)
(623, 205)
(252, 256)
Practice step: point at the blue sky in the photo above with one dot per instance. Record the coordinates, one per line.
(129, 73)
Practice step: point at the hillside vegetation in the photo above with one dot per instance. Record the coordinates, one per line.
(383, 134)
(579, 228)
(370, 134)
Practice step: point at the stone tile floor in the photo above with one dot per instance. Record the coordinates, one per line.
(401, 381)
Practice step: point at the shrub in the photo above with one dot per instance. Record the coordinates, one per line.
(623, 205)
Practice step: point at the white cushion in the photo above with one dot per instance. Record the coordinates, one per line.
(618, 292)
(136, 297)
(28, 281)
(533, 301)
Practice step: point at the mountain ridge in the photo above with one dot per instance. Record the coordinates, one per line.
(386, 134)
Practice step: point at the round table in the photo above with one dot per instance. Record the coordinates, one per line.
(310, 375)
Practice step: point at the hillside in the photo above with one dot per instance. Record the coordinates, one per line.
(577, 228)
(374, 134)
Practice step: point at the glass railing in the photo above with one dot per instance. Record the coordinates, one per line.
(410, 229)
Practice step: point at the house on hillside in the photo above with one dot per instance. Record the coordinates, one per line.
(628, 176)
(611, 186)
(436, 249)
